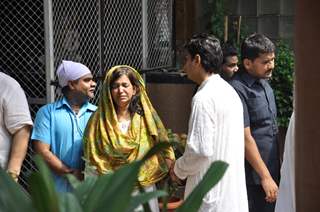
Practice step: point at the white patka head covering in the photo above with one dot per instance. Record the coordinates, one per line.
(69, 71)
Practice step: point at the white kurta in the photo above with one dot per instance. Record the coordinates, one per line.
(14, 114)
(286, 196)
(216, 133)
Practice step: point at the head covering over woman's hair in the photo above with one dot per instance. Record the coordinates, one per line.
(107, 149)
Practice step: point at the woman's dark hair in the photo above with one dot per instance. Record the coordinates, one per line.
(209, 49)
(135, 104)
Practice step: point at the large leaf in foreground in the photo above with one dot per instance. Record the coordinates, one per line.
(42, 189)
(82, 189)
(69, 203)
(144, 198)
(210, 179)
(115, 190)
(12, 197)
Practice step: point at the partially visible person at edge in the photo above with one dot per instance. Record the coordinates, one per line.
(59, 126)
(125, 127)
(230, 61)
(260, 121)
(215, 130)
(15, 125)
(287, 197)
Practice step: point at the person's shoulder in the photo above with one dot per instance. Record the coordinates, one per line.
(47, 108)
(8, 82)
(237, 82)
(203, 95)
(92, 107)
(236, 79)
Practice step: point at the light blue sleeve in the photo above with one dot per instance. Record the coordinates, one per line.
(42, 126)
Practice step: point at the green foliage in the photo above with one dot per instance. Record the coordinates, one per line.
(210, 179)
(174, 189)
(43, 193)
(10, 192)
(282, 82)
(110, 192)
(178, 142)
(216, 24)
(217, 10)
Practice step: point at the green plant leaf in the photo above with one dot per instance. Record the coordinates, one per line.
(116, 189)
(69, 203)
(12, 196)
(74, 182)
(43, 193)
(282, 82)
(84, 188)
(144, 198)
(210, 179)
(94, 192)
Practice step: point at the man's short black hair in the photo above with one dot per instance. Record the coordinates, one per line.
(255, 45)
(228, 50)
(209, 49)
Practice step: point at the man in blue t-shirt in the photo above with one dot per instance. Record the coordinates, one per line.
(59, 126)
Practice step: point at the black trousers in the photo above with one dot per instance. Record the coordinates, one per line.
(256, 199)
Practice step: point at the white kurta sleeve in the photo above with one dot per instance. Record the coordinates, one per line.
(200, 142)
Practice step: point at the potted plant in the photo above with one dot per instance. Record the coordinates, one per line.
(175, 190)
(110, 192)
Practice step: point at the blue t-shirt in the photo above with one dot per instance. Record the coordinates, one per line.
(57, 125)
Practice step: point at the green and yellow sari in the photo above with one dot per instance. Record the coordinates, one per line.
(106, 148)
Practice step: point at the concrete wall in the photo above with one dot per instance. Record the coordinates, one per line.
(274, 18)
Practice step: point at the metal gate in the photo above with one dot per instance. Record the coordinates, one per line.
(102, 34)
(36, 35)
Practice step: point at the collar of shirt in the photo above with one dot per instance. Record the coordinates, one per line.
(86, 106)
(212, 77)
(248, 78)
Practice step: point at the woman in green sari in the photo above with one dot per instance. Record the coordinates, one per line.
(124, 127)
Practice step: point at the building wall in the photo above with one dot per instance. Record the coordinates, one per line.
(274, 18)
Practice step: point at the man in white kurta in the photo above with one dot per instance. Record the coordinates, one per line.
(215, 133)
(286, 197)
